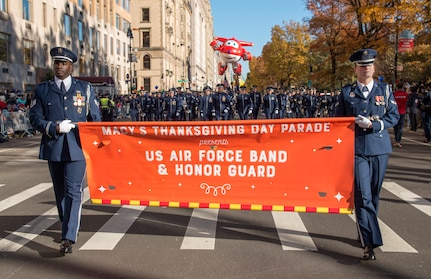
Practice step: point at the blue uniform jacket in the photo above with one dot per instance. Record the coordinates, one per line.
(380, 107)
(50, 106)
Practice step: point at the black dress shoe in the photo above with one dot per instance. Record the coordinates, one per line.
(369, 254)
(66, 246)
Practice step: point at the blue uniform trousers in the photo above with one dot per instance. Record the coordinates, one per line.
(369, 175)
(68, 178)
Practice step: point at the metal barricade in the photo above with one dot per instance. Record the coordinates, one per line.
(3, 131)
(15, 124)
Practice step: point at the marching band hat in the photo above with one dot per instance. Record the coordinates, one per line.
(207, 88)
(173, 89)
(242, 87)
(364, 57)
(269, 87)
(220, 85)
(63, 54)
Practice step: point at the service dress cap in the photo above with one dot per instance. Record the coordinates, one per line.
(364, 57)
(243, 87)
(207, 88)
(63, 54)
(269, 87)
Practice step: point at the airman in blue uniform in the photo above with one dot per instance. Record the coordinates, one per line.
(244, 104)
(58, 105)
(221, 103)
(256, 98)
(206, 105)
(270, 104)
(172, 106)
(376, 111)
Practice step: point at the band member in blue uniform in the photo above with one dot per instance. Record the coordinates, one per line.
(221, 103)
(270, 104)
(158, 107)
(282, 103)
(256, 98)
(206, 105)
(135, 107)
(376, 111)
(244, 104)
(58, 105)
(172, 106)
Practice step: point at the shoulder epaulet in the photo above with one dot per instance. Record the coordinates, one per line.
(43, 86)
(352, 86)
(382, 84)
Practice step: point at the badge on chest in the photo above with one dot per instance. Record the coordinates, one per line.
(79, 101)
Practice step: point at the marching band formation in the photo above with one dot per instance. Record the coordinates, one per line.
(220, 103)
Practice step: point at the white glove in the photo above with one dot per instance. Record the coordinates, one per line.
(66, 126)
(363, 122)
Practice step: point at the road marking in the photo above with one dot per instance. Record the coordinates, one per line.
(112, 231)
(201, 230)
(292, 232)
(392, 241)
(415, 200)
(416, 141)
(23, 146)
(15, 240)
(24, 195)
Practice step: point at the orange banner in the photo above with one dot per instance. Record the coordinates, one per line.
(303, 165)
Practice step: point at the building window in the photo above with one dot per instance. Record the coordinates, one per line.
(145, 15)
(81, 66)
(126, 5)
(98, 39)
(105, 14)
(147, 62)
(80, 31)
(111, 45)
(117, 21)
(90, 37)
(125, 26)
(80, 3)
(118, 47)
(3, 7)
(67, 25)
(92, 68)
(100, 73)
(45, 55)
(146, 39)
(98, 11)
(55, 20)
(28, 52)
(117, 74)
(147, 84)
(4, 41)
(105, 43)
(44, 14)
(26, 9)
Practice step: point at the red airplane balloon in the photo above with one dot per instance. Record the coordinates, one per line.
(231, 51)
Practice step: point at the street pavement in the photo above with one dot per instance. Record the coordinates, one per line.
(155, 242)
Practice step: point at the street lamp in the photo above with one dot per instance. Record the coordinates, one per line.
(130, 36)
